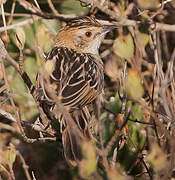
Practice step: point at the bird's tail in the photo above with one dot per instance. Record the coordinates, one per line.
(74, 135)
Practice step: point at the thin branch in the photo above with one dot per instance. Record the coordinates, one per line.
(17, 14)
(3, 169)
(141, 122)
(11, 13)
(27, 81)
(3, 17)
(24, 165)
(29, 6)
(23, 23)
(108, 110)
(33, 176)
(17, 115)
(37, 5)
(147, 169)
(24, 75)
(52, 7)
(114, 157)
(112, 141)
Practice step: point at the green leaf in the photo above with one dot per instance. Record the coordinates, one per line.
(137, 112)
(73, 7)
(137, 134)
(30, 68)
(16, 83)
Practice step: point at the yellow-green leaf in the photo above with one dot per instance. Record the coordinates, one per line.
(30, 40)
(10, 156)
(124, 47)
(157, 158)
(31, 68)
(88, 165)
(44, 37)
(142, 39)
(133, 85)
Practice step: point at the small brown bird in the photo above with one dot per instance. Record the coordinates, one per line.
(78, 76)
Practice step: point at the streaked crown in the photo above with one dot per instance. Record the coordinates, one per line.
(83, 21)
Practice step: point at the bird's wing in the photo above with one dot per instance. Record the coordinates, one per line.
(78, 77)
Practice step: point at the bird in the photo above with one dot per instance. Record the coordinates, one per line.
(77, 76)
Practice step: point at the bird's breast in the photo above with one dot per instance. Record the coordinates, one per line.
(79, 76)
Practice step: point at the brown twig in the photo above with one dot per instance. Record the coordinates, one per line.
(52, 7)
(11, 13)
(147, 169)
(3, 17)
(24, 165)
(117, 133)
(29, 84)
(3, 169)
(17, 116)
(114, 158)
(29, 6)
(23, 74)
(23, 23)
(7, 115)
(141, 122)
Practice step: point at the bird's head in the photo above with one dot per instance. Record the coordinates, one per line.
(83, 34)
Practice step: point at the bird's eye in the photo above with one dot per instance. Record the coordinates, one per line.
(88, 34)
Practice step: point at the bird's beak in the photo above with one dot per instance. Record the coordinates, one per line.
(107, 28)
